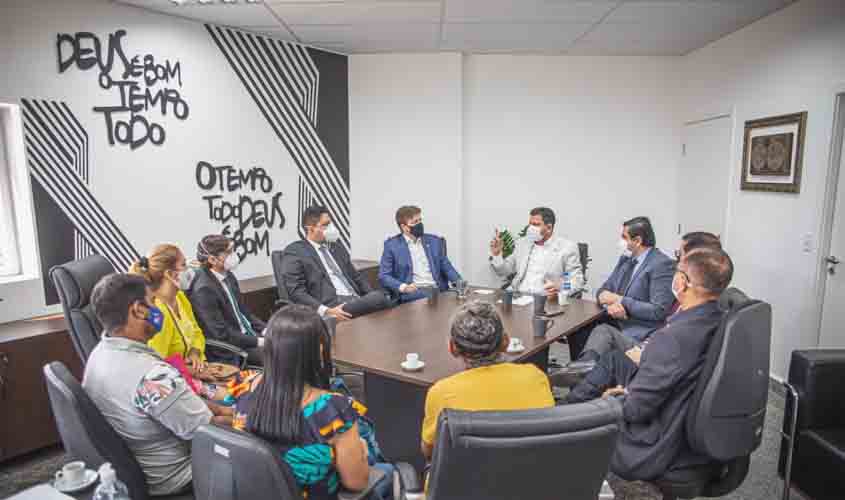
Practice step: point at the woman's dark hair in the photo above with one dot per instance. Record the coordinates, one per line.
(292, 360)
(212, 246)
(641, 226)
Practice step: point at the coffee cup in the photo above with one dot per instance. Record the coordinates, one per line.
(540, 326)
(412, 360)
(72, 473)
(539, 305)
(515, 344)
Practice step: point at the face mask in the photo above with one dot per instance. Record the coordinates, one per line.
(533, 234)
(331, 233)
(155, 318)
(231, 262)
(417, 230)
(185, 278)
(623, 247)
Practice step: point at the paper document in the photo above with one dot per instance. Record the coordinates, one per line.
(523, 301)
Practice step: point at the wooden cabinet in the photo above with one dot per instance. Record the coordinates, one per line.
(26, 422)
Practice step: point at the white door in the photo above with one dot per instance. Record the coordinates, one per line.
(833, 312)
(704, 177)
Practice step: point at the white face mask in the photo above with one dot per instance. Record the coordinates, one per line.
(231, 262)
(533, 234)
(623, 247)
(185, 279)
(332, 234)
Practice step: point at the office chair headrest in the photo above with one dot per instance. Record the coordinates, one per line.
(732, 298)
(78, 278)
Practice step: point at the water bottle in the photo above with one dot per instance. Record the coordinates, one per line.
(565, 289)
(110, 487)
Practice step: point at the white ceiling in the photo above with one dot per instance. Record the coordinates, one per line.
(577, 27)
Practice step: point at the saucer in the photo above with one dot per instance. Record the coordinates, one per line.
(513, 350)
(416, 368)
(64, 487)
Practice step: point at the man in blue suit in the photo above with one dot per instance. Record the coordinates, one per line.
(414, 260)
(637, 295)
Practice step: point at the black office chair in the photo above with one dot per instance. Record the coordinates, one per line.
(74, 282)
(524, 454)
(233, 465)
(283, 298)
(728, 408)
(87, 436)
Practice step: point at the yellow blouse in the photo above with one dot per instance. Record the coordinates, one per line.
(178, 335)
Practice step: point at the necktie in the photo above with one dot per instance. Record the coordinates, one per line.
(626, 278)
(334, 269)
(241, 318)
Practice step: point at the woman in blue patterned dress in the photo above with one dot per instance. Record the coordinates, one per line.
(316, 431)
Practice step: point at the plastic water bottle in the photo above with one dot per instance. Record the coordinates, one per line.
(565, 289)
(110, 487)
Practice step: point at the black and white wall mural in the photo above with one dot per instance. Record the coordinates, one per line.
(161, 130)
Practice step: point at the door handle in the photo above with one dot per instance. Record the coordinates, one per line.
(832, 261)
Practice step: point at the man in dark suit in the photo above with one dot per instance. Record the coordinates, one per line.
(637, 295)
(216, 298)
(656, 381)
(413, 260)
(318, 272)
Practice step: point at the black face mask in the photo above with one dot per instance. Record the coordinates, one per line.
(417, 230)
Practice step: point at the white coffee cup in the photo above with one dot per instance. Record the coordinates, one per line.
(412, 359)
(72, 474)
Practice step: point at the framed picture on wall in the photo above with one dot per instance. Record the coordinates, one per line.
(772, 153)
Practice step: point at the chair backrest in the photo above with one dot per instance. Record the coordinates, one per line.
(535, 454)
(276, 257)
(234, 465)
(86, 435)
(728, 408)
(74, 282)
(584, 257)
(445, 248)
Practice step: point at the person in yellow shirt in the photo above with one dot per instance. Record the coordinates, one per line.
(478, 338)
(180, 333)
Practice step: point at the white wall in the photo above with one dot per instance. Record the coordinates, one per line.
(594, 138)
(405, 113)
(788, 62)
(150, 192)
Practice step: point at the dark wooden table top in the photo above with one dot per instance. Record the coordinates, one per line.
(379, 342)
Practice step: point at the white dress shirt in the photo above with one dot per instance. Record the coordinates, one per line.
(532, 263)
(339, 286)
(419, 261)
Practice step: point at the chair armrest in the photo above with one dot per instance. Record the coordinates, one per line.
(225, 346)
(375, 477)
(409, 477)
(280, 303)
(815, 374)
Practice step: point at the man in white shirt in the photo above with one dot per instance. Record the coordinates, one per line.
(318, 272)
(539, 257)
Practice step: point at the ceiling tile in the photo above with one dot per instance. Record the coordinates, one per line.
(562, 11)
(239, 14)
(510, 36)
(406, 34)
(358, 13)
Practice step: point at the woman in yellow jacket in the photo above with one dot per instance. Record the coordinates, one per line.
(180, 333)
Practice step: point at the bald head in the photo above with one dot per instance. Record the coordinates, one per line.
(709, 269)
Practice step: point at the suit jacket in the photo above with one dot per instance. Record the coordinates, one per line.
(307, 281)
(214, 310)
(648, 297)
(397, 267)
(653, 434)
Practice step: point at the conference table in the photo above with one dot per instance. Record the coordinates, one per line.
(377, 343)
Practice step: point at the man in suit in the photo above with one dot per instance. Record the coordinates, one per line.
(656, 382)
(414, 260)
(318, 272)
(216, 299)
(538, 256)
(637, 295)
